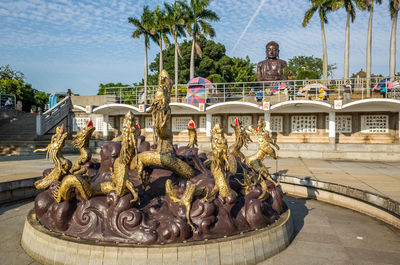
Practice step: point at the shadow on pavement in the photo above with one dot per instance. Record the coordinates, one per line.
(29, 157)
(298, 210)
(9, 206)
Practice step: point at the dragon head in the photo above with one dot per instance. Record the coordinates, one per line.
(236, 123)
(129, 136)
(82, 137)
(191, 125)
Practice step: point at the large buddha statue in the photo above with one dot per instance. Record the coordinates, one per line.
(271, 69)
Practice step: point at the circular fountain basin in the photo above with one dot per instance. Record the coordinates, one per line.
(50, 247)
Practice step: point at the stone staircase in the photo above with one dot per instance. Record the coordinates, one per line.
(21, 132)
(18, 133)
(19, 127)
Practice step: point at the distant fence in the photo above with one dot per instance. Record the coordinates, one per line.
(271, 91)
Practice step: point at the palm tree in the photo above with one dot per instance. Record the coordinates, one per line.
(175, 22)
(394, 9)
(323, 7)
(144, 28)
(160, 30)
(370, 6)
(197, 17)
(349, 5)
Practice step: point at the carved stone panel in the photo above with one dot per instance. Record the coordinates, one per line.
(304, 124)
(276, 124)
(180, 124)
(375, 123)
(343, 123)
(148, 124)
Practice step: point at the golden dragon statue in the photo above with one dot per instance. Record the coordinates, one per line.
(255, 161)
(242, 138)
(61, 164)
(186, 199)
(65, 191)
(81, 141)
(119, 183)
(192, 134)
(219, 164)
(250, 178)
(161, 114)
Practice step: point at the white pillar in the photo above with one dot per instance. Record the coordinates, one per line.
(38, 125)
(398, 127)
(105, 125)
(208, 124)
(332, 128)
(267, 119)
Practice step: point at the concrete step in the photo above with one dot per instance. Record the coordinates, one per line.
(21, 126)
(18, 138)
(26, 147)
(20, 131)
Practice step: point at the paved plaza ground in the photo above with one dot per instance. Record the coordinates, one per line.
(325, 234)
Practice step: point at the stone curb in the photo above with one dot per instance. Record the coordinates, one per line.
(375, 205)
(17, 190)
(252, 247)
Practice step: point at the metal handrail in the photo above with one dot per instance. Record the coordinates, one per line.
(47, 120)
(49, 111)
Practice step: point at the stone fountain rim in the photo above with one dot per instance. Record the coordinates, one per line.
(34, 222)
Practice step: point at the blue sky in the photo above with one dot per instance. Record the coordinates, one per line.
(60, 44)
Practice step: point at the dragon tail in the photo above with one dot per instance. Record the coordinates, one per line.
(70, 183)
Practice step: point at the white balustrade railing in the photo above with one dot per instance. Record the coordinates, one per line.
(50, 118)
(274, 92)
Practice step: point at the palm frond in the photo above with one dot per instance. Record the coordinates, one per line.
(137, 33)
(208, 14)
(308, 15)
(394, 6)
(207, 29)
(361, 4)
(165, 39)
(198, 49)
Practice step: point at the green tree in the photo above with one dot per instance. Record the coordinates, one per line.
(323, 7)
(7, 73)
(243, 70)
(394, 6)
(144, 27)
(299, 63)
(197, 18)
(215, 63)
(176, 22)
(41, 98)
(307, 74)
(102, 87)
(12, 82)
(216, 78)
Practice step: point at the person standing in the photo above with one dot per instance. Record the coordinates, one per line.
(347, 91)
(396, 87)
(8, 104)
